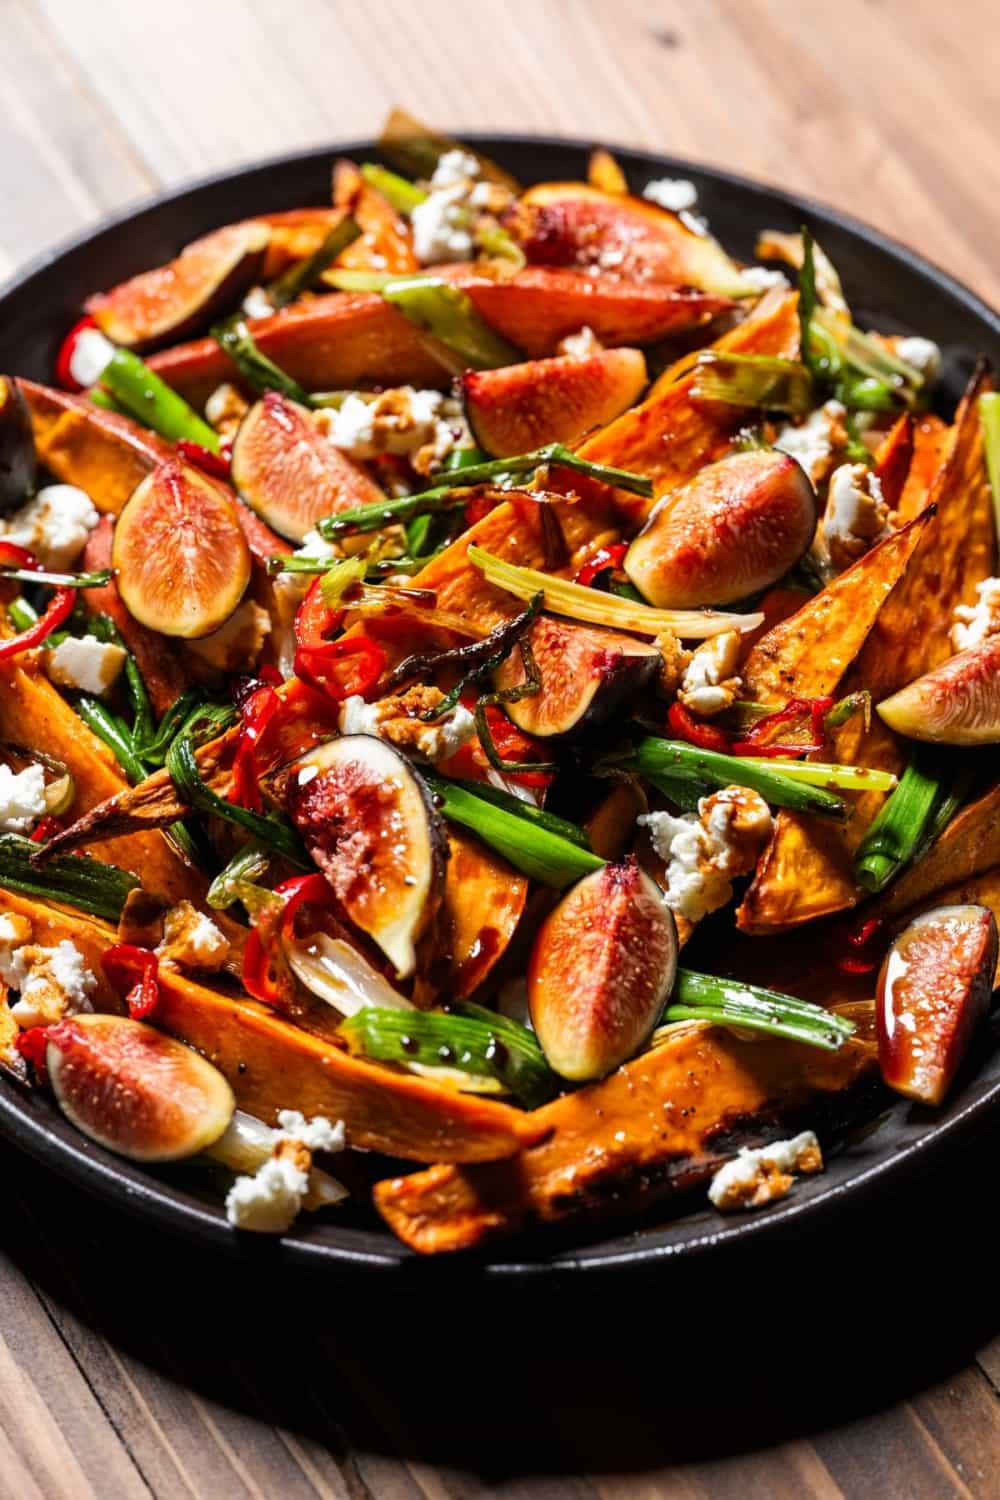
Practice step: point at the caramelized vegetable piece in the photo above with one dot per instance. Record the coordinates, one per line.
(587, 675)
(182, 562)
(933, 991)
(134, 1090)
(601, 969)
(521, 407)
(482, 903)
(571, 224)
(603, 172)
(294, 235)
(969, 846)
(174, 300)
(957, 703)
(17, 447)
(289, 473)
(657, 1127)
(734, 529)
(386, 243)
(368, 821)
(107, 455)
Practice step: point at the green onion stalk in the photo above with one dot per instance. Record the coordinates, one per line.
(927, 797)
(674, 764)
(87, 884)
(730, 1002)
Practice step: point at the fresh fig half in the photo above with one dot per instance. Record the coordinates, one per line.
(134, 1090)
(571, 224)
(734, 529)
(587, 675)
(17, 447)
(957, 703)
(933, 991)
(520, 407)
(600, 972)
(368, 821)
(179, 552)
(176, 300)
(289, 473)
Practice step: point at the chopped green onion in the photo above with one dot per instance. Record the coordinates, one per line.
(678, 761)
(269, 829)
(340, 576)
(151, 401)
(449, 315)
(346, 279)
(98, 396)
(59, 580)
(115, 734)
(497, 1047)
(902, 822)
(496, 241)
(519, 808)
(300, 277)
(578, 602)
(564, 458)
(403, 195)
(249, 865)
(729, 1002)
(22, 615)
(530, 847)
(989, 416)
(818, 773)
(79, 881)
(753, 380)
(156, 744)
(105, 629)
(381, 514)
(257, 370)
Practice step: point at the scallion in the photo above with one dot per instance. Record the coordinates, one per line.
(269, 829)
(402, 194)
(300, 276)
(250, 864)
(151, 401)
(989, 416)
(450, 316)
(677, 761)
(79, 881)
(259, 372)
(59, 580)
(729, 1002)
(902, 822)
(759, 380)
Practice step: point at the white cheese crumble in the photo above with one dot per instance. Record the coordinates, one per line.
(758, 1176)
(257, 303)
(674, 193)
(813, 443)
(238, 643)
(52, 982)
(394, 719)
(269, 1201)
(22, 798)
(761, 279)
(856, 514)
(422, 426)
(710, 682)
(89, 665)
(977, 622)
(440, 226)
(580, 345)
(92, 353)
(454, 167)
(922, 355)
(704, 852)
(54, 524)
(191, 939)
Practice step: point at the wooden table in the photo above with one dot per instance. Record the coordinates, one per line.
(863, 1365)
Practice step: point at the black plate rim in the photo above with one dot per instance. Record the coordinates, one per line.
(53, 1142)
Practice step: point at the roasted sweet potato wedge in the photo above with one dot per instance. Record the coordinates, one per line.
(658, 1126)
(386, 243)
(968, 846)
(482, 904)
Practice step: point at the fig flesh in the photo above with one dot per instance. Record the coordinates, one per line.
(734, 529)
(175, 300)
(957, 703)
(521, 407)
(17, 447)
(179, 553)
(601, 969)
(369, 823)
(571, 224)
(289, 473)
(587, 675)
(134, 1090)
(933, 991)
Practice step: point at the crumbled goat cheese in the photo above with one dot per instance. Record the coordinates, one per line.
(54, 524)
(257, 303)
(922, 355)
(580, 345)
(454, 167)
(704, 852)
(976, 622)
(440, 226)
(710, 682)
(191, 939)
(22, 798)
(238, 643)
(422, 426)
(675, 193)
(15, 931)
(395, 720)
(85, 663)
(225, 409)
(269, 1201)
(758, 1176)
(52, 982)
(92, 353)
(856, 514)
(814, 442)
(760, 279)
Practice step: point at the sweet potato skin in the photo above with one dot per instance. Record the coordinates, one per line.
(662, 1123)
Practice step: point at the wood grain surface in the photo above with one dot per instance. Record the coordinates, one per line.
(864, 1365)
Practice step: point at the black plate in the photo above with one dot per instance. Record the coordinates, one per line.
(890, 288)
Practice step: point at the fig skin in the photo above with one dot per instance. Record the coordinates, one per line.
(173, 301)
(521, 407)
(957, 703)
(179, 552)
(133, 1089)
(17, 447)
(734, 529)
(289, 473)
(370, 825)
(934, 989)
(587, 675)
(601, 969)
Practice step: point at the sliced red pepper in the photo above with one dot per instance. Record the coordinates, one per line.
(848, 963)
(46, 828)
(134, 973)
(602, 559)
(511, 744)
(344, 668)
(31, 1044)
(60, 607)
(64, 359)
(13, 556)
(684, 726)
(258, 710)
(866, 932)
(757, 740)
(480, 506)
(214, 464)
(315, 620)
(266, 975)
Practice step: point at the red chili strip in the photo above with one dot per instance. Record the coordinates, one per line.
(265, 969)
(133, 972)
(214, 464)
(64, 359)
(59, 609)
(756, 741)
(32, 1044)
(45, 829)
(684, 726)
(257, 711)
(849, 964)
(602, 559)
